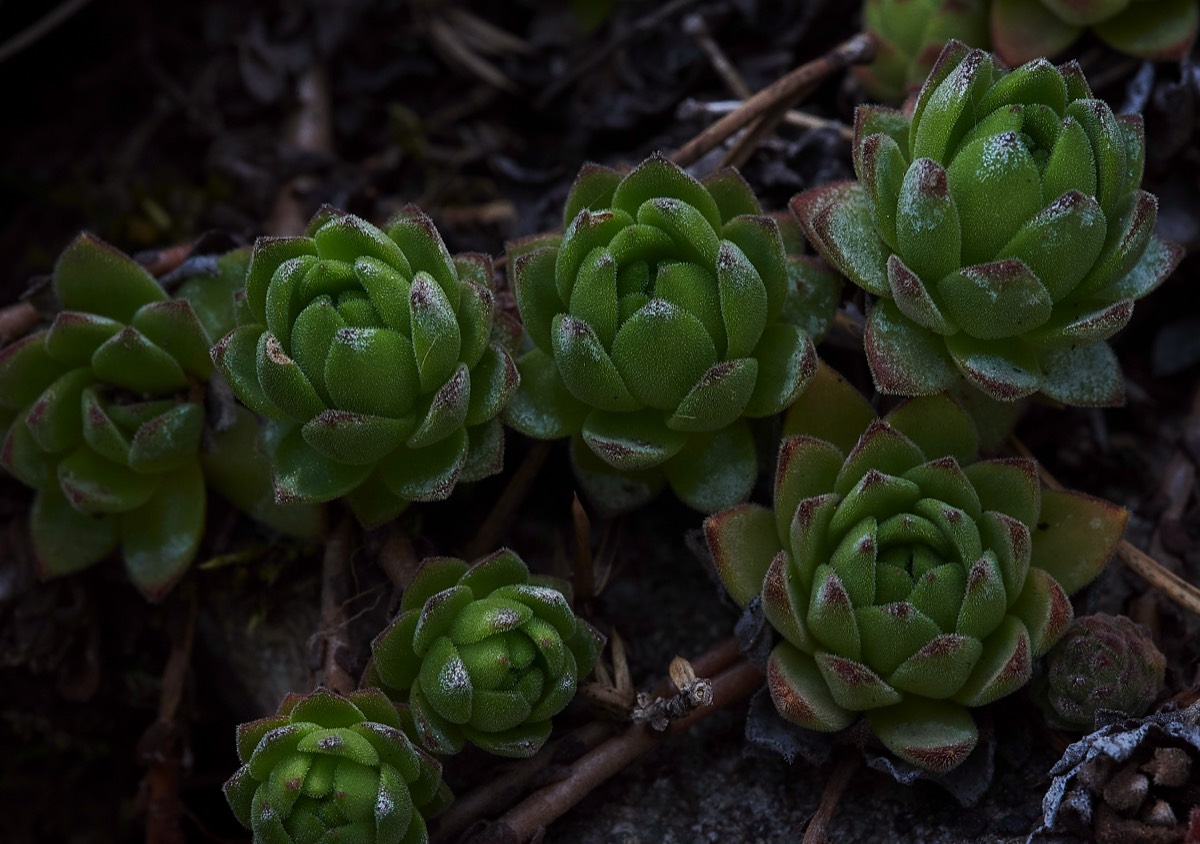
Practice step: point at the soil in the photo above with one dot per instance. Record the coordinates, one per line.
(152, 123)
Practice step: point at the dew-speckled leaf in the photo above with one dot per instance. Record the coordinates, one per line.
(303, 474)
(585, 367)
(800, 693)
(934, 735)
(174, 327)
(541, 406)
(429, 473)
(631, 441)
(905, 359)
(715, 470)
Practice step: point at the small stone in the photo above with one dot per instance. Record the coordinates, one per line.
(1159, 813)
(1170, 767)
(1127, 789)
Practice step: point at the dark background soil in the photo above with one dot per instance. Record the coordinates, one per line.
(150, 123)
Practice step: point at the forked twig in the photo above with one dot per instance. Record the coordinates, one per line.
(858, 49)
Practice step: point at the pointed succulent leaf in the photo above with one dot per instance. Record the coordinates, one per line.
(74, 337)
(592, 189)
(428, 473)
(742, 542)
(1086, 375)
(837, 220)
(800, 693)
(170, 440)
(93, 277)
(174, 327)
(830, 409)
(160, 538)
(934, 735)
(129, 359)
(303, 474)
(64, 539)
(715, 469)
(905, 359)
(1076, 536)
(1026, 29)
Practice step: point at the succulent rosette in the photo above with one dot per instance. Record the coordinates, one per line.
(483, 653)
(910, 35)
(663, 319)
(1159, 30)
(909, 580)
(1002, 230)
(1102, 662)
(374, 354)
(333, 768)
(104, 416)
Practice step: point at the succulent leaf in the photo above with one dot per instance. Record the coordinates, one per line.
(905, 575)
(483, 654)
(650, 261)
(323, 766)
(1007, 227)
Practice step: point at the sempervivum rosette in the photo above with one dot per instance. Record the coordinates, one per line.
(375, 351)
(1103, 662)
(483, 653)
(104, 417)
(1002, 229)
(332, 768)
(909, 580)
(1160, 30)
(664, 318)
(911, 35)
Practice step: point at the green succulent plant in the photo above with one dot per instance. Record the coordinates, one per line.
(104, 416)
(483, 653)
(665, 317)
(908, 579)
(1002, 230)
(1102, 662)
(1160, 30)
(377, 357)
(910, 35)
(331, 768)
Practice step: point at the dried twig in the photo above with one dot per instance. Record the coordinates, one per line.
(397, 558)
(600, 56)
(500, 519)
(310, 129)
(1170, 584)
(524, 820)
(855, 50)
(506, 789)
(160, 745)
(843, 769)
(659, 712)
(331, 643)
(17, 320)
(29, 36)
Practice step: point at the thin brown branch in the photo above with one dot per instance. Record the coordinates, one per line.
(397, 558)
(600, 56)
(17, 320)
(1171, 585)
(500, 519)
(161, 261)
(506, 789)
(160, 746)
(860, 48)
(331, 643)
(47, 23)
(310, 129)
(843, 769)
(524, 820)
(584, 570)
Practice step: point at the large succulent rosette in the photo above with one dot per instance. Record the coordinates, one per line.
(483, 653)
(332, 768)
(665, 317)
(910, 35)
(1102, 662)
(908, 579)
(374, 353)
(104, 416)
(1002, 230)
(1159, 30)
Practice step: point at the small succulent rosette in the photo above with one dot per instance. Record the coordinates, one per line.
(910, 35)
(374, 352)
(483, 653)
(665, 317)
(1102, 662)
(1001, 229)
(333, 768)
(1159, 30)
(104, 416)
(909, 580)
